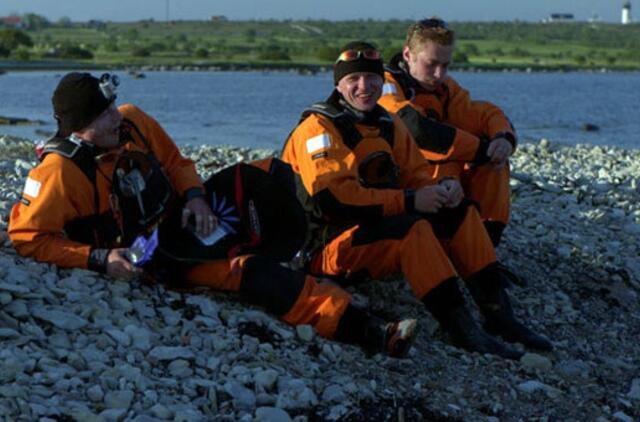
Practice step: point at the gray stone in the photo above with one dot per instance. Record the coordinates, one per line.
(573, 369)
(243, 398)
(8, 333)
(266, 379)
(295, 394)
(113, 415)
(305, 332)
(95, 393)
(61, 319)
(17, 309)
(119, 336)
(333, 394)
(140, 337)
(272, 414)
(532, 386)
(535, 361)
(15, 288)
(162, 353)
(180, 368)
(634, 391)
(161, 411)
(207, 306)
(621, 416)
(118, 399)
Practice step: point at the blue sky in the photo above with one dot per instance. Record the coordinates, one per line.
(127, 10)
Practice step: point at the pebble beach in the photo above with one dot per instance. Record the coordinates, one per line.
(79, 346)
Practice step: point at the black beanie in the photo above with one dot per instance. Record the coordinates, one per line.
(342, 68)
(77, 101)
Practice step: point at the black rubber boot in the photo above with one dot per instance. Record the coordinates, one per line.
(446, 303)
(494, 303)
(375, 334)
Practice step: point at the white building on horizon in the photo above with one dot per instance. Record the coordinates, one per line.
(626, 12)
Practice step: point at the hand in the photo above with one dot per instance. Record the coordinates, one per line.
(205, 221)
(431, 198)
(498, 152)
(118, 265)
(454, 192)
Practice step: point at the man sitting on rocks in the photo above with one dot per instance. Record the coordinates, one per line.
(112, 174)
(377, 209)
(470, 140)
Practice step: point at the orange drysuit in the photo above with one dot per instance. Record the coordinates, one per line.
(361, 175)
(453, 133)
(58, 193)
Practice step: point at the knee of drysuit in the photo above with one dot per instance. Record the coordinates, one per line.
(446, 223)
(270, 285)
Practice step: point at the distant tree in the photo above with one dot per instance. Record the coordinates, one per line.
(35, 22)
(140, 52)
(470, 49)
(580, 59)
(21, 53)
(202, 53)
(70, 51)
(64, 22)
(4, 52)
(460, 57)
(13, 38)
(327, 54)
(250, 35)
(273, 53)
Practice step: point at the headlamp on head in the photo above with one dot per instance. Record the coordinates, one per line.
(108, 85)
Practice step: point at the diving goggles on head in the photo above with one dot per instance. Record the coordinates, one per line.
(351, 55)
(108, 84)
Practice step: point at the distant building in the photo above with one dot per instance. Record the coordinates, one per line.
(626, 12)
(559, 17)
(219, 18)
(12, 22)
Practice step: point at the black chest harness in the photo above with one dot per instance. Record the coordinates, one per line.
(140, 191)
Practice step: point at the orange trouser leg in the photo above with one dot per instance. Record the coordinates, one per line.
(296, 298)
(470, 247)
(490, 190)
(379, 249)
(220, 274)
(320, 304)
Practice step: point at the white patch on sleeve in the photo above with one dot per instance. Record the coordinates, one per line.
(32, 187)
(319, 142)
(389, 89)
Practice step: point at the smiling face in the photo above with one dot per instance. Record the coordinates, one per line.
(428, 63)
(104, 131)
(361, 89)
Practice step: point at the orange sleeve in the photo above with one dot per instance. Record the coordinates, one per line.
(55, 192)
(414, 169)
(327, 167)
(481, 118)
(180, 170)
(438, 141)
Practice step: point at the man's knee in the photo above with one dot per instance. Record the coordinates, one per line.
(270, 285)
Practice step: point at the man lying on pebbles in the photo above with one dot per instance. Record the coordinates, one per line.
(113, 194)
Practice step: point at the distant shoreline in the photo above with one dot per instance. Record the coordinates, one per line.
(301, 68)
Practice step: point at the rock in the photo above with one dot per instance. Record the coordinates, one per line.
(162, 353)
(305, 332)
(118, 399)
(621, 416)
(634, 391)
(534, 386)
(119, 336)
(272, 414)
(180, 368)
(535, 361)
(333, 394)
(266, 379)
(294, 394)
(162, 412)
(61, 319)
(243, 398)
(95, 393)
(140, 337)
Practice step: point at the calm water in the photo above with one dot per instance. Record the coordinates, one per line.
(260, 109)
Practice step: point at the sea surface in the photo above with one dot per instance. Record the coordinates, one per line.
(259, 109)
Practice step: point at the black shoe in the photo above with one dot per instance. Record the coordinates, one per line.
(495, 306)
(508, 277)
(467, 333)
(501, 321)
